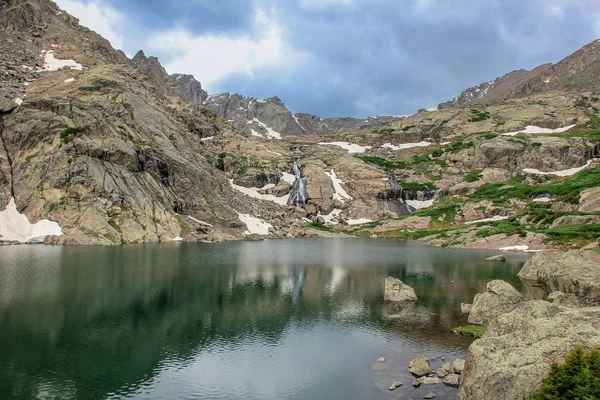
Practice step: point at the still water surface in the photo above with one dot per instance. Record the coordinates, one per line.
(289, 319)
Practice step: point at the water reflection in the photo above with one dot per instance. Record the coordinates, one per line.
(273, 319)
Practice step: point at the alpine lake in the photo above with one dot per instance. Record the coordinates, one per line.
(274, 319)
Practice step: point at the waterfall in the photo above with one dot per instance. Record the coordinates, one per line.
(298, 195)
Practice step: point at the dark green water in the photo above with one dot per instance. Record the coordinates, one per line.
(293, 319)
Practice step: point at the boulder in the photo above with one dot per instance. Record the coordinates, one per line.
(7, 105)
(429, 380)
(465, 308)
(396, 290)
(419, 366)
(575, 272)
(444, 370)
(430, 396)
(500, 258)
(452, 380)
(516, 352)
(499, 298)
(458, 366)
(563, 299)
(395, 385)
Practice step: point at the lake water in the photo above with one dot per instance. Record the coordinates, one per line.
(278, 319)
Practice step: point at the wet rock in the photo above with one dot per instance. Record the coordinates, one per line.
(465, 308)
(452, 380)
(419, 366)
(395, 385)
(429, 380)
(458, 366)
(396, 291)
(499, 298)
(500, 258)
(444, 370)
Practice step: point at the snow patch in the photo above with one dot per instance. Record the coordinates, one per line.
(178, 239)
(445, 143)
(289, 178)
(532, 129)
(515, 248)
(329, 217)
(566, 172)
(359, 221)
(271, 134)
(431, 109)
(51, 63)
(418, 204)
(349, 147)
(205, 139)
(404, 146)
(298, 122)
(338, 191)
(493, 219)
(198, 221)
(547, 81)
(542, 200)
(255, 225)
(15, 226)
(254, 193)
(70, 80)
(18, 100)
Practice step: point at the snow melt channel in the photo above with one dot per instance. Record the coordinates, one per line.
(16, 227)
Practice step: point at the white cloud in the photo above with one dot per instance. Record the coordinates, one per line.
(99, 17)
(213, 57)
(319, 4)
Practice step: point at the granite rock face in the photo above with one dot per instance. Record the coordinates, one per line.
(515, 354)
(574, 272)
(499, 298)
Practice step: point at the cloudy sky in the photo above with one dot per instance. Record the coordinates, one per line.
(344, 57)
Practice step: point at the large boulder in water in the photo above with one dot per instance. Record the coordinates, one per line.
(516, 352)
(419, 366)
(576, 272)
(499, 298)
(396, 290)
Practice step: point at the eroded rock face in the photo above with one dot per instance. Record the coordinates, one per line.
(590, 200)
(396, 291)
(515, 354)
(576, 272)
(499, 298)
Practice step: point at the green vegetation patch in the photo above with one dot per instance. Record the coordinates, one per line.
(423, 187)
(577, 378)
(473, 176)
(479, 115)
(471, 330)
(66, 134)
(383, 131)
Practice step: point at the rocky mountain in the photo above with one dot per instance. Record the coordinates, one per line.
(270, 118)
(577, 72)
(100, 149)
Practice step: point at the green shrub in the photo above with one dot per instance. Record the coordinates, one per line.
(473, 176)
(65, 135)
(419, 186)
(479, 115)
(577, 379)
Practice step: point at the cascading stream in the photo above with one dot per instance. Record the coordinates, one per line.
(298, 195)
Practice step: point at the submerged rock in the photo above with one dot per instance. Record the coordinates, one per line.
(430, 396)
(573, 272)
(396, 290)
(499, 298)
(419, 366)
(515, 354)
(500, 258)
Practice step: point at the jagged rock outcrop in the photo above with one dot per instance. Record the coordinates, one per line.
(499, 298)
(512, 358)
(576, 272)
